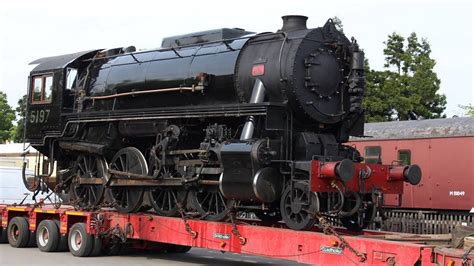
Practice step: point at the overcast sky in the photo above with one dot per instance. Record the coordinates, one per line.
(33, 29)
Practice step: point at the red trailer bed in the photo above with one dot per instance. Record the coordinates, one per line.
(145, 230)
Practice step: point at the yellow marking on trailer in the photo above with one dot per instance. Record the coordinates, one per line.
(75, 213)
(16, 209)
(45, 211)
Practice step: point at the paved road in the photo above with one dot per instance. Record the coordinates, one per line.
(33, 256)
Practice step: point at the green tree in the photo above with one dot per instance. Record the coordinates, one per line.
(7, 115)
(468, 109)
(374, 100)
(21, 114)
(394, 52)
(409, 92)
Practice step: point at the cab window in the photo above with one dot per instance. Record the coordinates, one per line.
(42, 89)
(373, 154)
(404, 156)
(71, 75)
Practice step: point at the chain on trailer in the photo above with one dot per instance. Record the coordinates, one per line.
(465, 255)
(235, 230)
(328, 229)
(187, 226)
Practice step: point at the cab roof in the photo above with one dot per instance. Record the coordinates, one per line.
(60, 61)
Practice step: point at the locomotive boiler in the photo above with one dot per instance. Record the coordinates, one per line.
(213, 123)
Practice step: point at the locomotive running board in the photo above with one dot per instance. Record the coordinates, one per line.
(227, 110)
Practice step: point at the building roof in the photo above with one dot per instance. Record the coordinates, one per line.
(429, 128)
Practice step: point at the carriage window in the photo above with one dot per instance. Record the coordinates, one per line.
(404, 156)
(42, 89)
(373, 154)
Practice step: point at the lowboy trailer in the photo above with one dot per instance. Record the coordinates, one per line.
(88, 233)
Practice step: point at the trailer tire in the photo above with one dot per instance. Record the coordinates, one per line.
(62, 245)
(18, 232)
(32, 240)
(97, 249)
(112, 248)
(79, 241)
(47, 236)
(3, 235)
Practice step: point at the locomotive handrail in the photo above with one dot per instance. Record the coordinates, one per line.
(113, 96)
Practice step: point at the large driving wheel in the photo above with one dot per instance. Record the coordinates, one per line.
(211, 204)
(89, 168)
(298, 206)
(131, 160)
(164, 200)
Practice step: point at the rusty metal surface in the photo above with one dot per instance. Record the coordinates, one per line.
(429, 128)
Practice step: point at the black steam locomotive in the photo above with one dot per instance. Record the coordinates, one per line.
(212, 122)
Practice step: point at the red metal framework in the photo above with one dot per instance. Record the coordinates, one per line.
(387, 178)
(302, 246)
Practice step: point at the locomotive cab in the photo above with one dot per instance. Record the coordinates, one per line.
(43, 103)
(50, 94)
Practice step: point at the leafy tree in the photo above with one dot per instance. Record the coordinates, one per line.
(374, 99)
(21, 113)
(469, 109)
(410, 92)
(394, 52)
(7, 115)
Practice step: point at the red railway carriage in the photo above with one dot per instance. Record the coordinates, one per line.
(444, 149)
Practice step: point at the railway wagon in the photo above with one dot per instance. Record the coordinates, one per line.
(444, 149)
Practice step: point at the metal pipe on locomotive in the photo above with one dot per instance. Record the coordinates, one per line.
(213, 122)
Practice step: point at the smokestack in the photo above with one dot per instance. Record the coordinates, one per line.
(294, 23)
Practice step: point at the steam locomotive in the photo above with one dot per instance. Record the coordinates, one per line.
(211, 123)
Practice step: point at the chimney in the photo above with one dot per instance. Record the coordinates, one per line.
(294, 23)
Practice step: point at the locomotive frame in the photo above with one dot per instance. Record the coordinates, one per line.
(160, 128)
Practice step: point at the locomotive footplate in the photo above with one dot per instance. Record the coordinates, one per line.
(227, 110)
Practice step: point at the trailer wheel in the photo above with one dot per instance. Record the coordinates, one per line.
(3, 235)
(97, 249)
(62, 245)
(47, 236)
(80, 243)
(111, 247)
(32, 240)
(18, 233)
